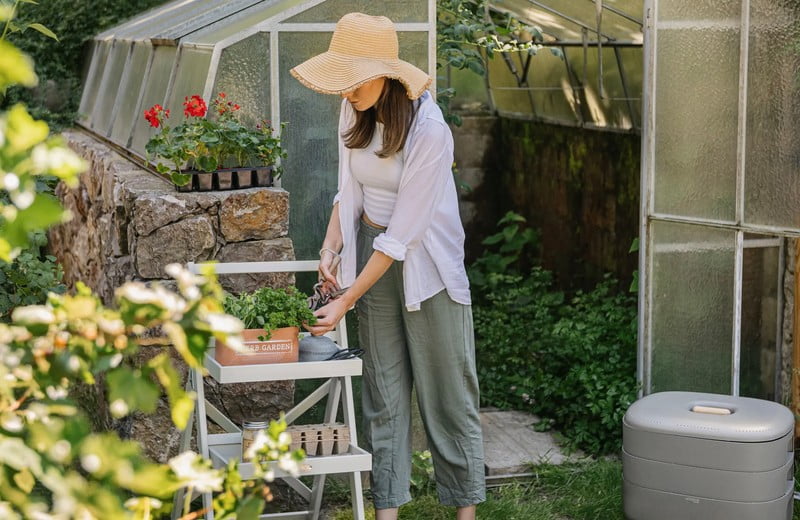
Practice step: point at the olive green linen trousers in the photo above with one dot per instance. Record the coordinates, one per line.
(432, 349)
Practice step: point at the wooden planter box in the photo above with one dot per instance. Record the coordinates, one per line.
(281, 347)
(229, 179)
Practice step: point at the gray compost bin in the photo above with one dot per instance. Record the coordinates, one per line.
(688, 456)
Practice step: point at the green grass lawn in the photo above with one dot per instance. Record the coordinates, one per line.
(580, 491)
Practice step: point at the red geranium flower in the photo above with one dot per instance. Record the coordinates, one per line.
(194, 106)
(156, 115)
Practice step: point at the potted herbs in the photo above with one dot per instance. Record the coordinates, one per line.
(272, 320)
(216, 152)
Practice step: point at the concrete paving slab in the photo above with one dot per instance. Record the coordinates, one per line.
(510, 443)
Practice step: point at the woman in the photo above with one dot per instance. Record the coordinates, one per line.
(396, 228)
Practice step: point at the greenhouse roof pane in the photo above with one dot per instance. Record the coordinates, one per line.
(175, 20)
(565, 21)
(238, 23)
(399, 11)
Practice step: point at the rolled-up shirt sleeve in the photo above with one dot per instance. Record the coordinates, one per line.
(426, 172)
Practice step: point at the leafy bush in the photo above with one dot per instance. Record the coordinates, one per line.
(59, 63)
(570, 360)
(270, 309)
(29, 277)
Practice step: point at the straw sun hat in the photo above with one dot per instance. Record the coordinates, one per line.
(363, 48)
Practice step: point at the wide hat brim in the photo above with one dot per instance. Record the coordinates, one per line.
(332, 73)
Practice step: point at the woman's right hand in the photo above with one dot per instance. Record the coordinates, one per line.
(328, 267)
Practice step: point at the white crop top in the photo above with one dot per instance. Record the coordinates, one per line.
(379, 178)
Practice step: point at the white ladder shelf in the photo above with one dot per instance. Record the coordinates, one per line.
(338, 388)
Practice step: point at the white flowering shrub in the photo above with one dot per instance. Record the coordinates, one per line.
(45, 441)
(52, 466)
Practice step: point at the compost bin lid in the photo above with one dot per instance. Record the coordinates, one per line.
(749, 420)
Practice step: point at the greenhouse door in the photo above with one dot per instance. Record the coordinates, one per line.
(720, 196)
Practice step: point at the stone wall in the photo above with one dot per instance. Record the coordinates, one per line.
(128, 224)
(578, 187)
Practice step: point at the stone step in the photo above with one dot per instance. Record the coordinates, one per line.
(511, 444)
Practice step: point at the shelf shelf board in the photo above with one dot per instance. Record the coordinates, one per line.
(356, 459)
(281, 371)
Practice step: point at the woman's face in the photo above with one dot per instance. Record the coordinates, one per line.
(365, 96)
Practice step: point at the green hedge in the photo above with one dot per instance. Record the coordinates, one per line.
(59, 64)
(571, 360)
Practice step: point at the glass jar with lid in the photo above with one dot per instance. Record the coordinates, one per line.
(249, 431)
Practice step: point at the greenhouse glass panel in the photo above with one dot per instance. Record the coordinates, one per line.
(237, 24)
(190, 79)
(564, 20)
(697, 11)
(772, 185)
(89, 98)
(631, 73)
(244, 75)
(108, 91)
(177, 19)
(311, 145)
(696, 116)
(692, 306)
(399, 11)
(127, 109)
(155, 90)
(760, 286)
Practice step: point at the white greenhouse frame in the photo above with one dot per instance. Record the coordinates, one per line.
(774, 236)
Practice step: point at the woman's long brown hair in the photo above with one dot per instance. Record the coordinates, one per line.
(394, 110)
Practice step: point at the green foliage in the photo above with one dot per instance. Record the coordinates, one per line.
(29, 277)
(59, 63)
(570, 360)
(422, 480)
(514, 248)
(269, 309)
(470, 31)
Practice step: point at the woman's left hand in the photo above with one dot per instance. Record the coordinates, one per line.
(328, 316)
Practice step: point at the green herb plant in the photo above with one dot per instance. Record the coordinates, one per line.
(269, 309)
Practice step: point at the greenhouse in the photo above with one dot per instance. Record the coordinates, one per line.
(244, 48)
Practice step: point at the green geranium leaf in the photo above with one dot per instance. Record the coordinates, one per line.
(180, 179)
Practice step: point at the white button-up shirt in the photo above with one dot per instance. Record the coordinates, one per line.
(425, 230)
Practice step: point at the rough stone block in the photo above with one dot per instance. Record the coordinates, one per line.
(156, 210)
(188, 240)
(255, 214)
